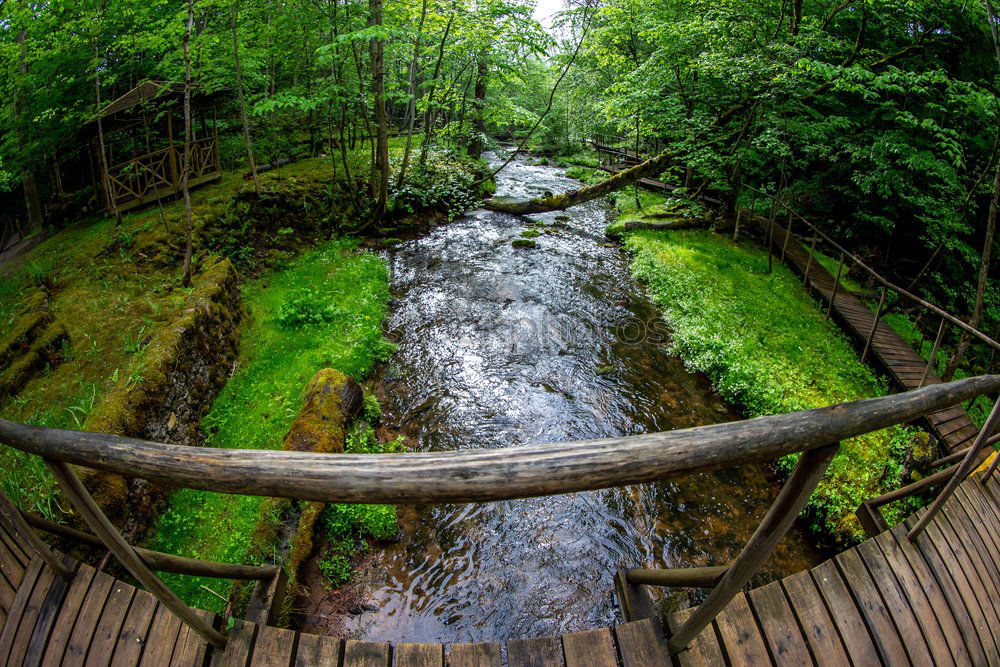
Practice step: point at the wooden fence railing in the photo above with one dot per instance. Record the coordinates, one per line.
(484, 475)
(159, 173)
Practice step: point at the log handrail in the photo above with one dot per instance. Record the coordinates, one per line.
(481, 475)
(485, 475)
(964, 326)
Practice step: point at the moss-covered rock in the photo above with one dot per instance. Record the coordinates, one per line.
(41, 350)
(170, 386)
(332, 401)
(524, 244)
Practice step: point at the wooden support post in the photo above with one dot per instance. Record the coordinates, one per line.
(809, 262)
(934, 351)
(788, 235)
(736, 230)
(175, 178)
(780, 517)
(836, 286)
(871, 519)
(77, 494)
(15, 522)
(964, 468)
(871, 334)
(770, 232)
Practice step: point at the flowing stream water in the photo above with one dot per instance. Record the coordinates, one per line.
(500, 347)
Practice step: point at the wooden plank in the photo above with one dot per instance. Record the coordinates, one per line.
(47, 617)
(475, 654)
(14, 544)
(781, 630)
(105, 637)
(10, 565)
(946, 646)
(741, 638)
(968, 561)
(274, 647)
(406, 654)
(942, 564)
(29, 616)
(640, 643)
(21, 601)
(703, 649)
(968, 549)
(981, 499)
(591, 648)
(875, 578)
(86, 621)
(66, 619)
(7, 595)
(964, 510)
(845, 614)
(315, 650)
(366, 654)
(239, 647)
(162, 638)
(192, 649)
(535, 652)
(817, 626)
(935, 584)
(132, 637)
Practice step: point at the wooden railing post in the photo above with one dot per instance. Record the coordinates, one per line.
(964, 468)
(13, 520)
(770, 230)
(836, 286)
(790, 501)
(809, 262)
(77, 494)
(934, 351)
(788, 235)
(871, 334)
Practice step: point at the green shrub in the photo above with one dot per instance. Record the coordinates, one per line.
(378, 522)
(372, 408)
(307, 306)
(336, 567)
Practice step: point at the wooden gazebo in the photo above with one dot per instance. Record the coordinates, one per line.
(141, 125)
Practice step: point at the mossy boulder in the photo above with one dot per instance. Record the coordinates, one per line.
(332, 401)
(524, 244)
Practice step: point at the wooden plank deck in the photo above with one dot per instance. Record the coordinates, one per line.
(952, 426)
(886, 601)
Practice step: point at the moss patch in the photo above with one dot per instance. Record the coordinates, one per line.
(766, 347)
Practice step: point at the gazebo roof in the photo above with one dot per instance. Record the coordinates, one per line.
(146, 91)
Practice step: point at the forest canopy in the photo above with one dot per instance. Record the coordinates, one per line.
(878, 119)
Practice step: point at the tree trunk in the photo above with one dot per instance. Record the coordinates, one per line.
(380, 167)
(478, 102)
(186, 163)
(991, 222)
(411, 107)
(31, 202)
(429, 114)
(239, 95)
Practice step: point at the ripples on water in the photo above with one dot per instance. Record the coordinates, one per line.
(500, 347)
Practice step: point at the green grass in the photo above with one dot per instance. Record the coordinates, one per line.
(257, 406)
(764, 343)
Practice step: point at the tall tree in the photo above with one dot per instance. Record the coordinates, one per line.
(380, 167)
(239, 95)
(411, 105)
(28, 184)
(186, 162)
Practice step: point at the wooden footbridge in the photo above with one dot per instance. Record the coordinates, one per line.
(927, 592)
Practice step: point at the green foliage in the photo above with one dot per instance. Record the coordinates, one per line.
(336, 567)
(371, 407)
(767, 348)
(307, 306)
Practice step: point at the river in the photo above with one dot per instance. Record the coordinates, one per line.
(502, 346)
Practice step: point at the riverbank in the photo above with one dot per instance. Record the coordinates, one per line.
(107, 292)
(763, 342)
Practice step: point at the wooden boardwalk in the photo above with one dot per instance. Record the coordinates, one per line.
(895, 356)
(935, 602)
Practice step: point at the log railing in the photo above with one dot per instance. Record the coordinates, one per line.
(846, 255)
(483, 475)
(159, 172)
